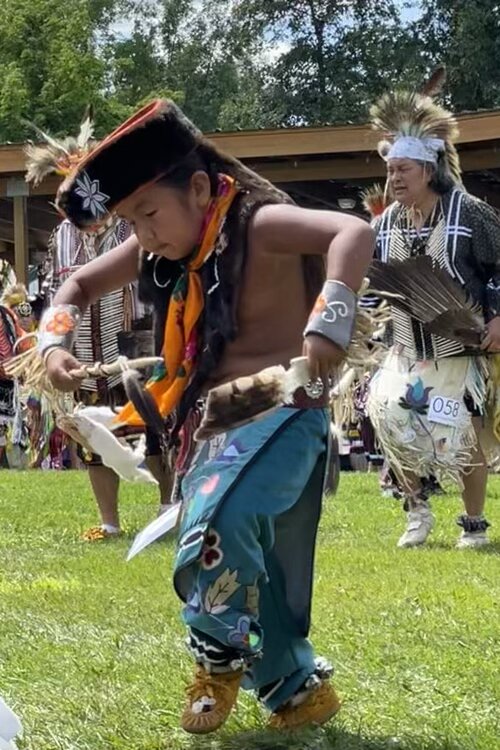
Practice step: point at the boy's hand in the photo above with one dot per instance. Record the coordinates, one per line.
(59, 364)
(323, 356)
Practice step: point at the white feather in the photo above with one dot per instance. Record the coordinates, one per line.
(154, 530)
(58, 145)
(10, 727)
(121, 458)
(86, 133)
(102, 414)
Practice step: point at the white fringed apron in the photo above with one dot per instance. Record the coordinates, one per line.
(410, 400)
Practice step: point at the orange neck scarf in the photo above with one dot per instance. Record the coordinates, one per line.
(180, 342)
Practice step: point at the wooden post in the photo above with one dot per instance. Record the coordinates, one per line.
(18, 190)
(21, 248)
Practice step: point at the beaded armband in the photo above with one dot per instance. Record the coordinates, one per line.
(334, 314)
(58, 328)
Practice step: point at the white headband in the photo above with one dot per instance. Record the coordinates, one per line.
(421, 149)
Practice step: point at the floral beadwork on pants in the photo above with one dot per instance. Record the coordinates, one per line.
(220, 591)
(416, 397)
(211, 554)
(242, 635)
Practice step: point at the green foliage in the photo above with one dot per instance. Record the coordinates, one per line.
(231, 65)
(466, 35)
(49, 69)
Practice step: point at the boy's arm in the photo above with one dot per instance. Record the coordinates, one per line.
(113, 270)
(349, 243)
(348, 240)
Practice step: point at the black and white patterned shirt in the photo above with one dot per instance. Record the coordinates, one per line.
(464, 239)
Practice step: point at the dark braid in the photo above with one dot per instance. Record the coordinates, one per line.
(219, 323)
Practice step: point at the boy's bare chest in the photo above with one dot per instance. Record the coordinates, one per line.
(272, 314)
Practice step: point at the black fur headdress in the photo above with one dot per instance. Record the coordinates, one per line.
(145, 148)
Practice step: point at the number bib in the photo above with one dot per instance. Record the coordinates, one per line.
(419, 415)
(448, 411)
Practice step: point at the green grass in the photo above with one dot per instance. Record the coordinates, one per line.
(91, 647)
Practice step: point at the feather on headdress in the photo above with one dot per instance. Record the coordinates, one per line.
(415, 114)
(375, 200)
(14, 295)
(55, 156)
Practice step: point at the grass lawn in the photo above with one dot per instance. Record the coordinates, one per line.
(91, 647)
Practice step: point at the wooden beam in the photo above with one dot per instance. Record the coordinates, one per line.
(363, 164)
(256, 144)
(360, 167)
(48, 187)
(341, 139)
(12, 159)
(324, 169)
(21, 238)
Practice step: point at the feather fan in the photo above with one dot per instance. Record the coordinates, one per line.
(421, 288)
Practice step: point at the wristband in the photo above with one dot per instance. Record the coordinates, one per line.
(334, 314)
(58, 327)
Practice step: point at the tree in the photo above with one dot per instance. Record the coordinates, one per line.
(235, 63)
(49, 66)
(338, 54)
(464, 34)
(205, 58)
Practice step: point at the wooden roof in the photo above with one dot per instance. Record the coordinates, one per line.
(316, 165)
(329, 152)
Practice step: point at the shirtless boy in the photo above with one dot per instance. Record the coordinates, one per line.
(233, 268)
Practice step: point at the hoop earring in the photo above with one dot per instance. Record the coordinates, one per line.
(155, 278)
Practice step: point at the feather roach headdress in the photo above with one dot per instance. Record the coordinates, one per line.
(415, 126)
(58, 156)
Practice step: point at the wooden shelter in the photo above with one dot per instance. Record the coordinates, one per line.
(321, 167)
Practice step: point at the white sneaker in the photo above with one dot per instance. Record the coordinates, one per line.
(418, 527)
(472, 539)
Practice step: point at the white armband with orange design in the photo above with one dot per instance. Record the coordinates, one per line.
(58, 327)
(334, 314)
